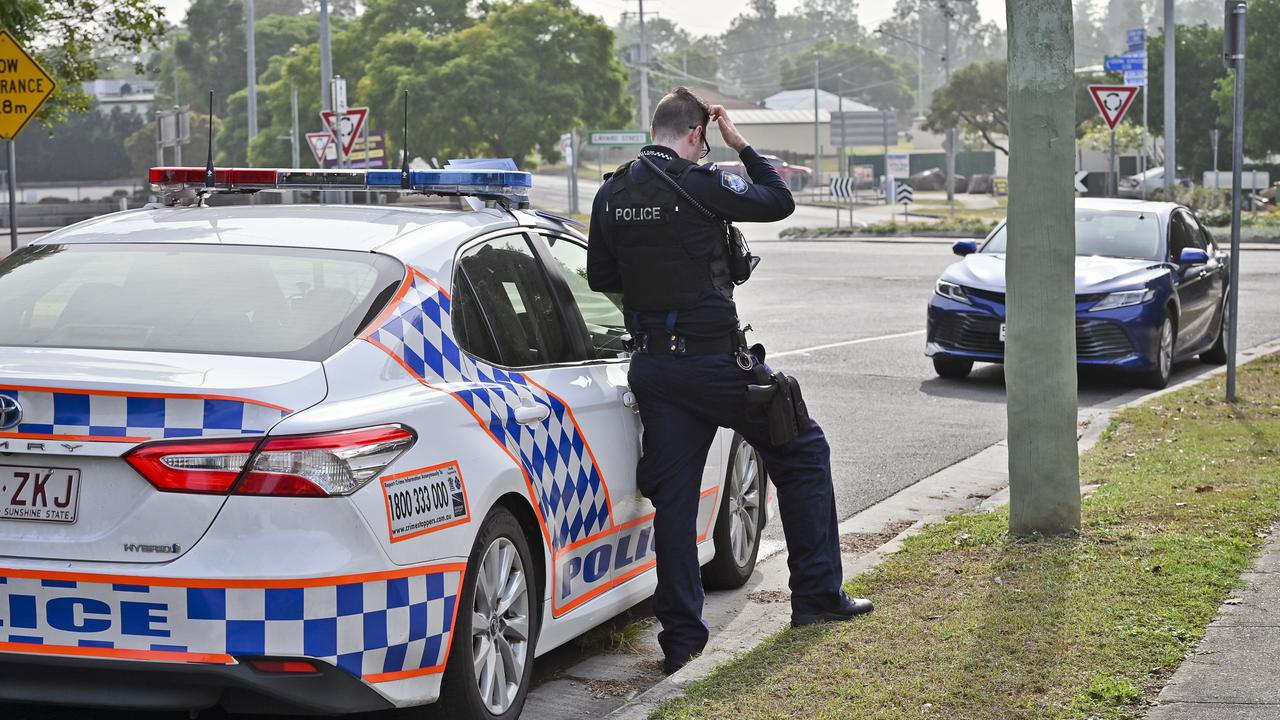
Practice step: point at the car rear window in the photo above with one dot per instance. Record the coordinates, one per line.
(1109, 233)
(219, 299)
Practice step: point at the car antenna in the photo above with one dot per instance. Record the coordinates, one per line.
(404, 145)
(208, 163)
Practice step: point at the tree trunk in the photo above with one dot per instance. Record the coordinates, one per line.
(1040, 356)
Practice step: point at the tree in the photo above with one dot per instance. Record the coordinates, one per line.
(140, 147)
(1040, 355)
(75, 39)
(977, 101)
(468, 102)
(1261, 95)
(87, 146)
(1198, 58)
(868, 75)
(1091, 46)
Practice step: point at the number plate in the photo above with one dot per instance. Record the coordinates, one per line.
(424, 500)
(1004, 331)
(40, 494)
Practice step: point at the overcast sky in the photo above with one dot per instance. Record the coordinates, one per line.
(701, 17)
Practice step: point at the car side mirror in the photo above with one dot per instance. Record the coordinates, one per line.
(1193, 256)
(964, 247)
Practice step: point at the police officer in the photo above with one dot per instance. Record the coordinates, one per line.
(670, 263)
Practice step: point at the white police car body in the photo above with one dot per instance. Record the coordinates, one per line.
(320, 458)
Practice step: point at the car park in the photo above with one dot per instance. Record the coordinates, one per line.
(322, 458)
(1150, 283)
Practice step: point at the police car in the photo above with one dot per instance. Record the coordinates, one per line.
(322, 458)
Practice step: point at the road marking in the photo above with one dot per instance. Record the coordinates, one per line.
(859, 341)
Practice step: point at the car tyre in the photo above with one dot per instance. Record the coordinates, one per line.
(1157, 378)
(952, 368)
(490, 666)
(740, 521)
(1217, 353)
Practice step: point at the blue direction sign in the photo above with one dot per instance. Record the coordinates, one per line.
(1137, 39)
(1129, 62)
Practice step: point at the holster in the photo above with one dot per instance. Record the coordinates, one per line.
(776, 398)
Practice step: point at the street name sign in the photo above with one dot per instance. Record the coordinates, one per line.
(1136, 77)
(1129, 62)
(345, 126)
(1082, 181)
(1137, 39)
(617, 137)
(24, 86)
(1113, 101)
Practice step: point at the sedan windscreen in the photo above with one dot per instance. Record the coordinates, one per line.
(220, 299)
(1108, 233)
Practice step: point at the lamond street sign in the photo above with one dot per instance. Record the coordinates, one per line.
(617, 137)
(24, 86)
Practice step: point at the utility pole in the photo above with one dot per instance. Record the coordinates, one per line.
(919, 65)
(253, 74)
(1170, 107)
(1040, 354)
(644, 72)
(326, 62)
(841, 169)
(294, 136)
(1233, 42)
(817, 141)
(947, 15)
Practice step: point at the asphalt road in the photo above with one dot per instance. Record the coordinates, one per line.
(847, 318)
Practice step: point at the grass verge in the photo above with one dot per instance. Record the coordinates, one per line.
(971, 624)
(959, 228)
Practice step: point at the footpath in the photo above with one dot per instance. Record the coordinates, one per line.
(1234, 674)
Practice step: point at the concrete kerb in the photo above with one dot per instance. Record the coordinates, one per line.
(980, 481)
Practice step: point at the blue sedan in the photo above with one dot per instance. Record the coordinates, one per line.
(1150, 291)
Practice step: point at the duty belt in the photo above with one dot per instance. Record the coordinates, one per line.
(664, 344)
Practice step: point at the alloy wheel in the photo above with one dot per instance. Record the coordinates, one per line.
(744, 505)
(500, 625)
(1166, 347)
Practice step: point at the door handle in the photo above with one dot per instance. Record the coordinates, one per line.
(530, 414)
(629, 399)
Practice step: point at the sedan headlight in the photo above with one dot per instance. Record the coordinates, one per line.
(1124, 298)
(952, 291)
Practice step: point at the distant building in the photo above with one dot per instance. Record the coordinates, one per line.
(133, 95)
(715, 97)
(803, 100)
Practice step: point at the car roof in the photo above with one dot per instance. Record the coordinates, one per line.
(395, 230)
(1125, 204)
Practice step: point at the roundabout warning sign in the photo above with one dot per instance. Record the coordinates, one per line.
(24, 86)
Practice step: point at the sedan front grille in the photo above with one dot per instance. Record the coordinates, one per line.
(1095, 339)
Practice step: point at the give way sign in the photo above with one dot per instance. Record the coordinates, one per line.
(1113, 101)
(345, 126)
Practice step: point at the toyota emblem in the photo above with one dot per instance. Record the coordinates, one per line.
(10, 412)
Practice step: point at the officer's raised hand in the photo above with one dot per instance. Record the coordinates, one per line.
(728, 130)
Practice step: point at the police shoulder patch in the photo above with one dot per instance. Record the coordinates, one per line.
(733, 183)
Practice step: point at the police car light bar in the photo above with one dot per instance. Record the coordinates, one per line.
(505, 185)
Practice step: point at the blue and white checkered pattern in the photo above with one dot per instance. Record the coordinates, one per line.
(571, 494)
(61, 412)
(365, 628)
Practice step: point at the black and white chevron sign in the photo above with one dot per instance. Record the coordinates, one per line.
(905, 195)
(843, 187)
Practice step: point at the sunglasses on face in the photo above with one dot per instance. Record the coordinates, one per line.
(706, 147)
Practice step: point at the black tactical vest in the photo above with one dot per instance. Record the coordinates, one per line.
(651, 231)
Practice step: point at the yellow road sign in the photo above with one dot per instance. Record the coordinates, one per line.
(24, 86)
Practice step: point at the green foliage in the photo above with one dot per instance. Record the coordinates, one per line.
(853, 70)
(1198, 59)
(1261, 92)
(1114, 691)
(74, 40)
(752, 49)
(87, 146)
(141, 146)
(1097, 136)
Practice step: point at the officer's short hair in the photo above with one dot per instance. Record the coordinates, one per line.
(678, 111)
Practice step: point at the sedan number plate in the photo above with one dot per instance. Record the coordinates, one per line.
(1004, 331)
(36, 493)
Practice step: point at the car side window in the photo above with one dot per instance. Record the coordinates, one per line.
(503, 309)
(602, 312)
(1183, 234)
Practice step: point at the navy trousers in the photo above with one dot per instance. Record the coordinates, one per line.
(683, 400)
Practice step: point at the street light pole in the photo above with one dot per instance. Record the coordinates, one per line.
(1170, 107)
(293, 133)
(1234, 33)
(326, 62)
(644, 72)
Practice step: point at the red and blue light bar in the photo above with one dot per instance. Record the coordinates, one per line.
(510, 185)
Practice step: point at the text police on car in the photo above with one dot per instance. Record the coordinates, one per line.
(662, 242)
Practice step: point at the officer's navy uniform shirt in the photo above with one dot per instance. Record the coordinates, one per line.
(765, 199)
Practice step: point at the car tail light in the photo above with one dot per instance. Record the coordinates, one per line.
(274, 665)
(329, 464)
(201, 466)
(321, 465)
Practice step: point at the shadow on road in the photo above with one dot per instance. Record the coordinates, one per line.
(1100, 387)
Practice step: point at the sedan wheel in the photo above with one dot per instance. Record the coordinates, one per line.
(1158, 377)
(497, 625)
(740, 521)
